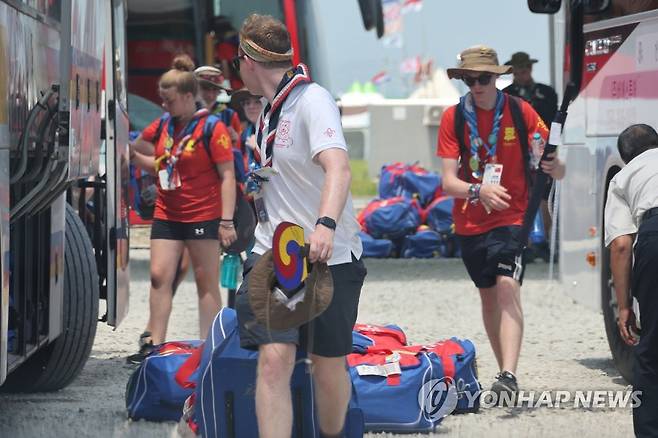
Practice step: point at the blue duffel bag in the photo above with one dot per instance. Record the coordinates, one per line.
(225, 405)
(376, 248)
(412, 388)
(438, 215)
(425, 244)
(390, 218)
(152, 392)
(420, 184)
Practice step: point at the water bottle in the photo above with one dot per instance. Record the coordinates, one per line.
(537, 150)
(230, 269)
(537, 235)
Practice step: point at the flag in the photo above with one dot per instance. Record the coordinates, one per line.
(411, 6)
(393, 23)
(380, 78)
(410, 65)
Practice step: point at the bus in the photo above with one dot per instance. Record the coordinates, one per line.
(611, 48)
(63, 185)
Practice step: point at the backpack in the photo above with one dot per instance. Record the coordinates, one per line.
(519, 125)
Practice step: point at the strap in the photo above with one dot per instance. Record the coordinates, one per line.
(459, 133)
(188, 368)
(208, 128)
(522, 129)
(161, 123)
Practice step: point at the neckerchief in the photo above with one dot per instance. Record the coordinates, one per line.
(467, 107)
(171, 158)
(292, 78)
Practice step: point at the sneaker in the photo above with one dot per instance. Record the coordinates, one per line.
(145, 348)
(505, 383)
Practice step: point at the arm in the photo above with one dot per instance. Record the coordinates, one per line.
(338, 176)
(142, 146)
(227, 233)
(493, 197)
(145, 162)
(621, 256)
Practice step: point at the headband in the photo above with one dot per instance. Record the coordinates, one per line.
(259, 54)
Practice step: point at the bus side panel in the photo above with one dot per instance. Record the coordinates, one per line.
(576, 219)
(4, 253)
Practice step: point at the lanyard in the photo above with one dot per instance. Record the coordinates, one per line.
(467, 106)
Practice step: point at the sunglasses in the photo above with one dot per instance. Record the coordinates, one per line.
(482, 80)
(235, 62)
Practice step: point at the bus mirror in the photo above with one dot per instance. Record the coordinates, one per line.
(372, 15)
(593, 7)
(544, 6)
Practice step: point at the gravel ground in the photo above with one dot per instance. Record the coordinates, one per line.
(564, 349)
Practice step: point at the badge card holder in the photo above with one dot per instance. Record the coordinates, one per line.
(167, 182)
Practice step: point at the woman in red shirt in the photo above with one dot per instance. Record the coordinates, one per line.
(195, 203)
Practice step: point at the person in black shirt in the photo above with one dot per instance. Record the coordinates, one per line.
(540, 96)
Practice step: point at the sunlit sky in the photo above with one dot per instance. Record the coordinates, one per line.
(439, 31)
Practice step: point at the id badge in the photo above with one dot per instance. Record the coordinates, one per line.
(266, 172)
(492, 174)
(167, 183)
(261, 210)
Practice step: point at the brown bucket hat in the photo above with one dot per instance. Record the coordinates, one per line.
(211, 76)
(521, 60)
(239, 95)
(271, 312)
(478, 59)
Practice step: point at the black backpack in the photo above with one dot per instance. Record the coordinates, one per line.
(519, 125)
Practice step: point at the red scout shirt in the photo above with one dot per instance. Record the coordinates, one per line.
(199, 196)
(475, 220)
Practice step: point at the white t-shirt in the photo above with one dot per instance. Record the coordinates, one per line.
(632, 191)
(309, 123)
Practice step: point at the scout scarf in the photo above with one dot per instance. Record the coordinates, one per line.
(186, 142)
(467, 107)
(292, 78)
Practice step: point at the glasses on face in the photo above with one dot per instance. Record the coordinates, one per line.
(235, 62)
(484, 79)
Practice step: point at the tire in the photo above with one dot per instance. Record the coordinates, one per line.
(622, 354)
(57, 364)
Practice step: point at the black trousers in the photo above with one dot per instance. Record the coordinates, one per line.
(645, 289)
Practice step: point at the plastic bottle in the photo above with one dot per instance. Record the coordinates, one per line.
(537, 150)
(537, 235)
(230, 268)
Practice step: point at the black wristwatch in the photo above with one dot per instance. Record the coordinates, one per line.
(327, 222)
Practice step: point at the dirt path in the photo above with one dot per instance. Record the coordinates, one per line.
(564, 349)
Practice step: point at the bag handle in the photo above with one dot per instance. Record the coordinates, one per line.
(188, 368)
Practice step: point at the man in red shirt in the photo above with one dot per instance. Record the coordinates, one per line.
(485, 169)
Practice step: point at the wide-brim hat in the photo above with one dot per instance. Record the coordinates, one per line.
(240, 95)
(275, 315)
(478, 59)
(521, 60)
(210, 75)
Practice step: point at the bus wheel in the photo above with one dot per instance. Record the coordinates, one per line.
(57, 364)
(622, 354)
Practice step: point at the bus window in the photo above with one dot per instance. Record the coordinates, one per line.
(621, 8)
(50, 8)
(119, 35)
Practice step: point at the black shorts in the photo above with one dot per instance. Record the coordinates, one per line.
(170, 230)
(491, 254)
(331, 330)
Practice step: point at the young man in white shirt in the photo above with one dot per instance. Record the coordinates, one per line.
(632, 209)
(299, 135)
